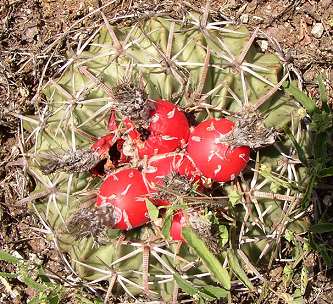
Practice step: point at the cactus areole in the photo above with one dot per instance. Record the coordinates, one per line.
(212, 155)
(125, 191)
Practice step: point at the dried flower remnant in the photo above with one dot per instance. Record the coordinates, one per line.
(90, 222)
(249, 130)
(72, 162)
(132, 102)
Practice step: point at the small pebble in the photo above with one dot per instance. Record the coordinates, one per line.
(317, 30)
(327, 200)
(244, 18)
(263, 45)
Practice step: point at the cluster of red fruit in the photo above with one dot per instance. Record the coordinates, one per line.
(169, 146)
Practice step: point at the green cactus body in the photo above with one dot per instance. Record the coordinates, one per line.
(169, 57)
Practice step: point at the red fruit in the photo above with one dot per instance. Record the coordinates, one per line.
(160, 167)
(112, 123)
(188, 168)
(168, 130)
(104, 144)
(110, 150)
(177, 224)
(125, 190)
(214, 158)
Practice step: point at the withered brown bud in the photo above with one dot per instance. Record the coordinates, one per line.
(249, 130)
(132, 102)
(71, 162)
(90, 222)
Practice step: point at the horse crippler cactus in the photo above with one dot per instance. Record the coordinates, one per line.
(166, 124)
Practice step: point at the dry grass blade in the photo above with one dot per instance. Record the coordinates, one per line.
(170, 40)
(145, 263)
(198, 92)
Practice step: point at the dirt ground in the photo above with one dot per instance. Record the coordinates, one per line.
(37, 35)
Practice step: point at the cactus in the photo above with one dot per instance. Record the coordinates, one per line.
(207, 68)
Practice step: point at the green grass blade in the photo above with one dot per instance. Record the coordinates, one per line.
(326, 172)
(297, 297)
(36, 300)
(322, 228)
(7, 257)
(234, 197)
(237, 269)
(206, 293)
(300, 151)
(320, 148)
(33, 284)
(167, 226)
(302, 98)
(322, 92)
(309, 189)
(8, 275)
(185, 285)
(212, 263)
(152, 210)
(304, 279)
(215, 292)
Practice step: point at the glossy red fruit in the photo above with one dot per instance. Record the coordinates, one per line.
(168, 130)
(112, 123)
(104, 144)
(110, 150)
(178, 221)
(161, 167)
(110, 146)
(126, 191)
(214, 158)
